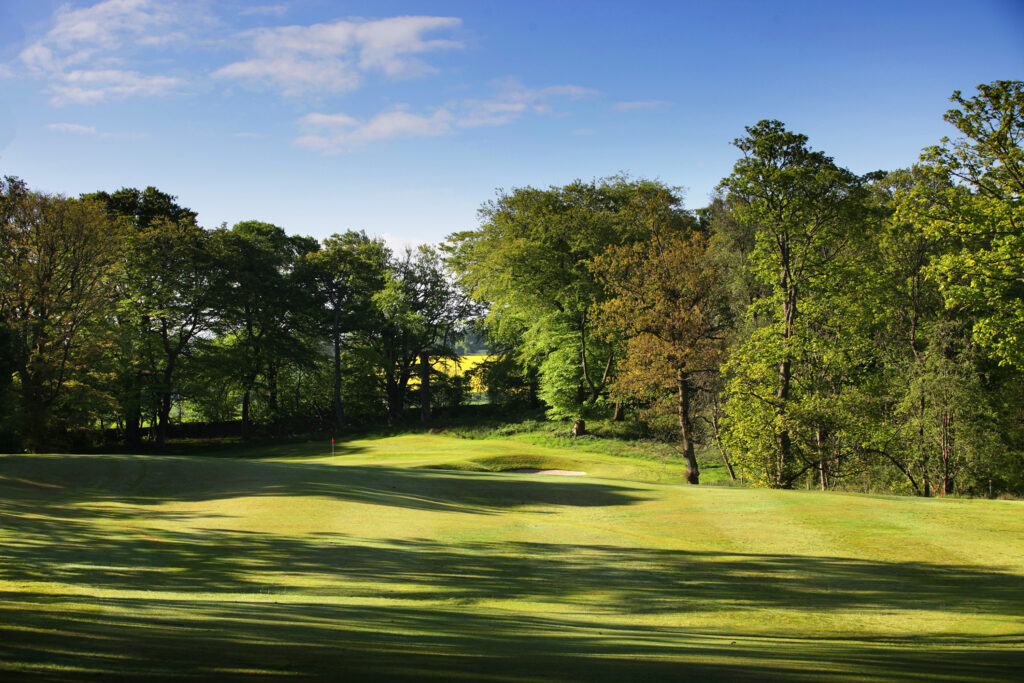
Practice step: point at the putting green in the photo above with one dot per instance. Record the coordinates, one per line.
(409, 557)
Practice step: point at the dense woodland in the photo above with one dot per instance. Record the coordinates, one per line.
(811, 326)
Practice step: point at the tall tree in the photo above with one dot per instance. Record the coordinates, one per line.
(671, 307)
(982, 211)
(170, 296)
(57, 256)
(159, 271)
(264, 304)
(803, 209)
(529, 261)
(348, 270)
(419, 315)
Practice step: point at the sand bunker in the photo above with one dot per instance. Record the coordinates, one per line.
(560, 473)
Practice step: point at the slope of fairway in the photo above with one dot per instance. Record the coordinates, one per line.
(410, 557)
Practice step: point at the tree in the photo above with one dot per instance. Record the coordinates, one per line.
(164, 298)
(983, 212)
(670, 306)
(264, 304)
(348, 269)
(804, 210)
(419, 314)
(170, 294)
(58, 259)
(529, 263)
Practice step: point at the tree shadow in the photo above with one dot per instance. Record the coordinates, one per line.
(145, 602)
(145, 480)
(137, 639)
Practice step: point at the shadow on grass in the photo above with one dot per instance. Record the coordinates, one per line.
(137, 639)
(142, 480)
(146, 603)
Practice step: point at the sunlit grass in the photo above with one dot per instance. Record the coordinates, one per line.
(413, 556)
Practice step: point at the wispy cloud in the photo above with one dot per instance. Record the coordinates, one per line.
(72, 128)
(331, 133)
(83, 55)
(513, 100)
(336, 132)
(265, 10)
(640, 105)
(335, 57)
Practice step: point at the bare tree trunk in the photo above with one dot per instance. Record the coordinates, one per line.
(620, 414)
(579, 427)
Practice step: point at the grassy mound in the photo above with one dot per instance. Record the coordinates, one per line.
(289, 562)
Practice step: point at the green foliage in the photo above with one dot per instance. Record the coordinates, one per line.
(530, 263)
(793, 356)
(58, 259)
(971, 198)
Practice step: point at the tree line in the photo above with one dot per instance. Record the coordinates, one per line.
(811, 326)
(117, 306)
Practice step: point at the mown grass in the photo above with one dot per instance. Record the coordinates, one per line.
(402, 558)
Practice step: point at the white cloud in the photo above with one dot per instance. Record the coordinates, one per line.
(72, 128)
(90, 87)
(337, 132)
(331, 133)
(641, 105)
(83, 54)
(334, 57)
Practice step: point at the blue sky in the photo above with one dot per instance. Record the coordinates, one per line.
(401, 118)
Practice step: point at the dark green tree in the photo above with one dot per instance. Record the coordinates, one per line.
(347, 271)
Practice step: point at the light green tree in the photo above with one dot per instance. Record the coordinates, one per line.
(804, 210)
(975, 199)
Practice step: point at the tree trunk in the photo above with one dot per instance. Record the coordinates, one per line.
(164, 407)
(922, 450)
(718, 442)
(396, 404)
(339, 411)
(620, 413)
(272, 389)
(685, 428)
(425, 397)
(133, 417)
(822, 469)
(579, 427)
(947, 453)
(245, 414)
(782, 480)
(783, 437)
